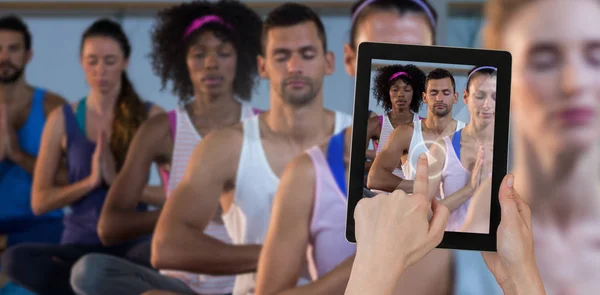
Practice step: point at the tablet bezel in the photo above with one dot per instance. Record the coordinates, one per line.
(367, 52)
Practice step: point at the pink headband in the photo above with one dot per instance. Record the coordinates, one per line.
(396, 75)
(481, 68)
(201, 21)
(418, 2)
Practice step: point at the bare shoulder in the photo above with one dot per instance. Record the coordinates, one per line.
(155, 126)
(232, 136)
(155, 110)
(373, 122)
(403, 132)
(52, 101)
(297, 184)
(55, 121)
(221, 147)
(301, 167)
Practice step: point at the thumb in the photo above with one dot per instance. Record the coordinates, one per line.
(506, 196)
(438, 222)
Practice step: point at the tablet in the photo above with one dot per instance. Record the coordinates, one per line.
(449, 103)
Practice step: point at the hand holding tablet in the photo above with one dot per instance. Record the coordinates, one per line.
(393, 233)
(451, 104)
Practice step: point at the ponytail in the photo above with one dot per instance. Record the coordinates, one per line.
(130, 113)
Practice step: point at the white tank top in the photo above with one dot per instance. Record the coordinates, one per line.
(186, 138)
(386, 130)
(247, 220)
(417, 147)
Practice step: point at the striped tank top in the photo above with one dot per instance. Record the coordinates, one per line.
(185, 139)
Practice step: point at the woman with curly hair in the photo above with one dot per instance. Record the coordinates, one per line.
(399, 89)
(94, 135)
(208, 52)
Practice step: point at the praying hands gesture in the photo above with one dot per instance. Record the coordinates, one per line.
(9, 142)
(103, 163)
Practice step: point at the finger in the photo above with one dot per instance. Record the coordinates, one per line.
(508, 205)
(522, 207)
(480, 164)
(438, 223)
(421, 183)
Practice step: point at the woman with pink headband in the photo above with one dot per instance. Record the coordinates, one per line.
(207, 50)
(399, 89)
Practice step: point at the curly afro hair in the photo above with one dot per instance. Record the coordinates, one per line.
(381, 90)
(169, 48)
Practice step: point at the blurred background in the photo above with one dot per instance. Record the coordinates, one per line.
(57, 26)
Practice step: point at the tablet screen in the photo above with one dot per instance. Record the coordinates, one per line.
(446, 111)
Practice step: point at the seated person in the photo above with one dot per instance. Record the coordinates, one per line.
(23, 112)
(464, 159)
(399, 89)
(112, 110)
(228, 42)
(409, 140)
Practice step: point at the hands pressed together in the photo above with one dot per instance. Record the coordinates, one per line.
(103, 163)
(394, 231)
(9, 142)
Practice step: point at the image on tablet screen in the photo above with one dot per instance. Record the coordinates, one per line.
(446, 111)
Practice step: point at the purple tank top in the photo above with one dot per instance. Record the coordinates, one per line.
(81, 224)
(328, 224)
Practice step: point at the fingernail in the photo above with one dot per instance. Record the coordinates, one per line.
(423, 156)
(510, 181)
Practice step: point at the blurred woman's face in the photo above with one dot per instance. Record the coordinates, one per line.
(390, 27)
(481, 99)
(103, 63)
(555, 46)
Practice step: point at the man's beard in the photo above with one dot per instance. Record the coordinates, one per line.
(441, 112)
(16, 74)
(298, 99)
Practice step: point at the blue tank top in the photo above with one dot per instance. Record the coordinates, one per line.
(335, 159)
(15, 182)
(81, 224)
(471, 275)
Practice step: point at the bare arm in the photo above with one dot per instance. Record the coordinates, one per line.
(119, 220)
(155, 194)
(381, 175)
(437, 162)
(27, 161)
(45, 195)
(284, 252)
(373, 132)
(179, 241)
(477, 219)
